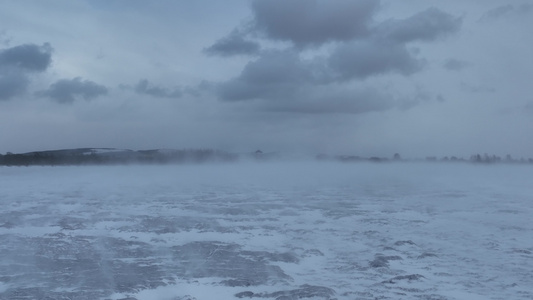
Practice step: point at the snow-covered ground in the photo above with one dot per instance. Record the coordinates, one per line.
(267, 231)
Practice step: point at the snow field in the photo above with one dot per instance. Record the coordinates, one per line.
(273, 231)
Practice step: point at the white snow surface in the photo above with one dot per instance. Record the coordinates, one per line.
(301, 230)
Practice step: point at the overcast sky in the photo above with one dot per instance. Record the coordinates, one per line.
(361, 77)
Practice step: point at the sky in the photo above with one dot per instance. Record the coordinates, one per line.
(361, 77)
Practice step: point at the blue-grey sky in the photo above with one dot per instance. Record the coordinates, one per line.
(363, 77)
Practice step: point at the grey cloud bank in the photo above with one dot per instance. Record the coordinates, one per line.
(68, 90)
(144, 87)
(508, 10)
(18, 63)
(233, 44)
(27, 57)
(355, 77)
(427, 26)
(308, 23)
(363, 48)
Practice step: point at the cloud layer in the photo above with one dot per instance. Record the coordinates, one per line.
(233, 44)
(312, 22)
(144, 87)
(319, 75)
(359, 48)
(18, 63)
(70, 90)
(507, 10)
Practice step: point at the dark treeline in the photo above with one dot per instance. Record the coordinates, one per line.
(109, 156)
(91, 156)
(476, 158)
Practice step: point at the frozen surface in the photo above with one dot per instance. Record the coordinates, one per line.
(267, 231)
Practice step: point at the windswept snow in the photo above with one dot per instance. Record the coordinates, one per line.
(267, 231)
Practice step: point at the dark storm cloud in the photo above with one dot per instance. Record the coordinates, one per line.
(17, 63)
(28, 57)
(424, 26)
(233, 44)
(68, 90)
(276, 74)
(279, 74)
(144, 87)
(283, 82)
(385, 50)
(312, 22)
(363, 49)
